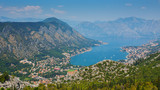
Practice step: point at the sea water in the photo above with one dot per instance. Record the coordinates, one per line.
(110, 51)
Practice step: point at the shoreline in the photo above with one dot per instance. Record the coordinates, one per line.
(83, 50)
(68, 56)
(89, 48)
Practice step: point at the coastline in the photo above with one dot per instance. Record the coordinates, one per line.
(127, 58)
(86, 50)
(82, 50)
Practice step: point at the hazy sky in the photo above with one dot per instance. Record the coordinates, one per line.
(86, 10)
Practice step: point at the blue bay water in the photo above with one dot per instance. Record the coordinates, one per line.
(110, 51)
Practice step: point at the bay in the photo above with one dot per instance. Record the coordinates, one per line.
(110, 51)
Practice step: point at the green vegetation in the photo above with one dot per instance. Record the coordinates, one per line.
(85, 85)
(11, 65)
(4, 77)
(54, 52)
(71, 70)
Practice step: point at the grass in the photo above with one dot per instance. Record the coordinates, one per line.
(71, 70)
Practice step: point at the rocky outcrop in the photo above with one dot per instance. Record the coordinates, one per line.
(15, 82)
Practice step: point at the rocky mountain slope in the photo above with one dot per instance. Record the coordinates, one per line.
(14, 83)
(52, 36)
(104, 71)
(130, 27)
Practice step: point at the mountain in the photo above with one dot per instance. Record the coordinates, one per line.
(89, 29)
(130, 27)
(72, 23)
(19, 40)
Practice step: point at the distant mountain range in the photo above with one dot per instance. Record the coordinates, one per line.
(130, 27)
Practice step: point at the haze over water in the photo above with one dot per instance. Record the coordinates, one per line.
(109, 51)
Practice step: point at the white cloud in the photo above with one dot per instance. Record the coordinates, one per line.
(34, 9)
(60, 6)
(57, 11)
(143, 7)
(128, 4)
(1, 7)
(14, 13)
(31, 8)
(26, 11)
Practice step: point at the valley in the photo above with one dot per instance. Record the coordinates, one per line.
(52, 52)
(79, 45)
(39, 52)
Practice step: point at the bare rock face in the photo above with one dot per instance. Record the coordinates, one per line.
(15, 82)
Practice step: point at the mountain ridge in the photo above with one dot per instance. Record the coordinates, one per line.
(19, 40)
(130, 27)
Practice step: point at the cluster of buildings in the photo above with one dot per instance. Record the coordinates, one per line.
(56, 68)
(41, 80)
(49, 65)
(137, 52)
(26, 61)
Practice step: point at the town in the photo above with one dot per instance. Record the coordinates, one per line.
(138, 52)
(50, 69)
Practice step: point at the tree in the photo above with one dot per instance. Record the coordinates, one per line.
(4, 77)
(2, 88)
(51, 86)
(41, 87)
(27, 88)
